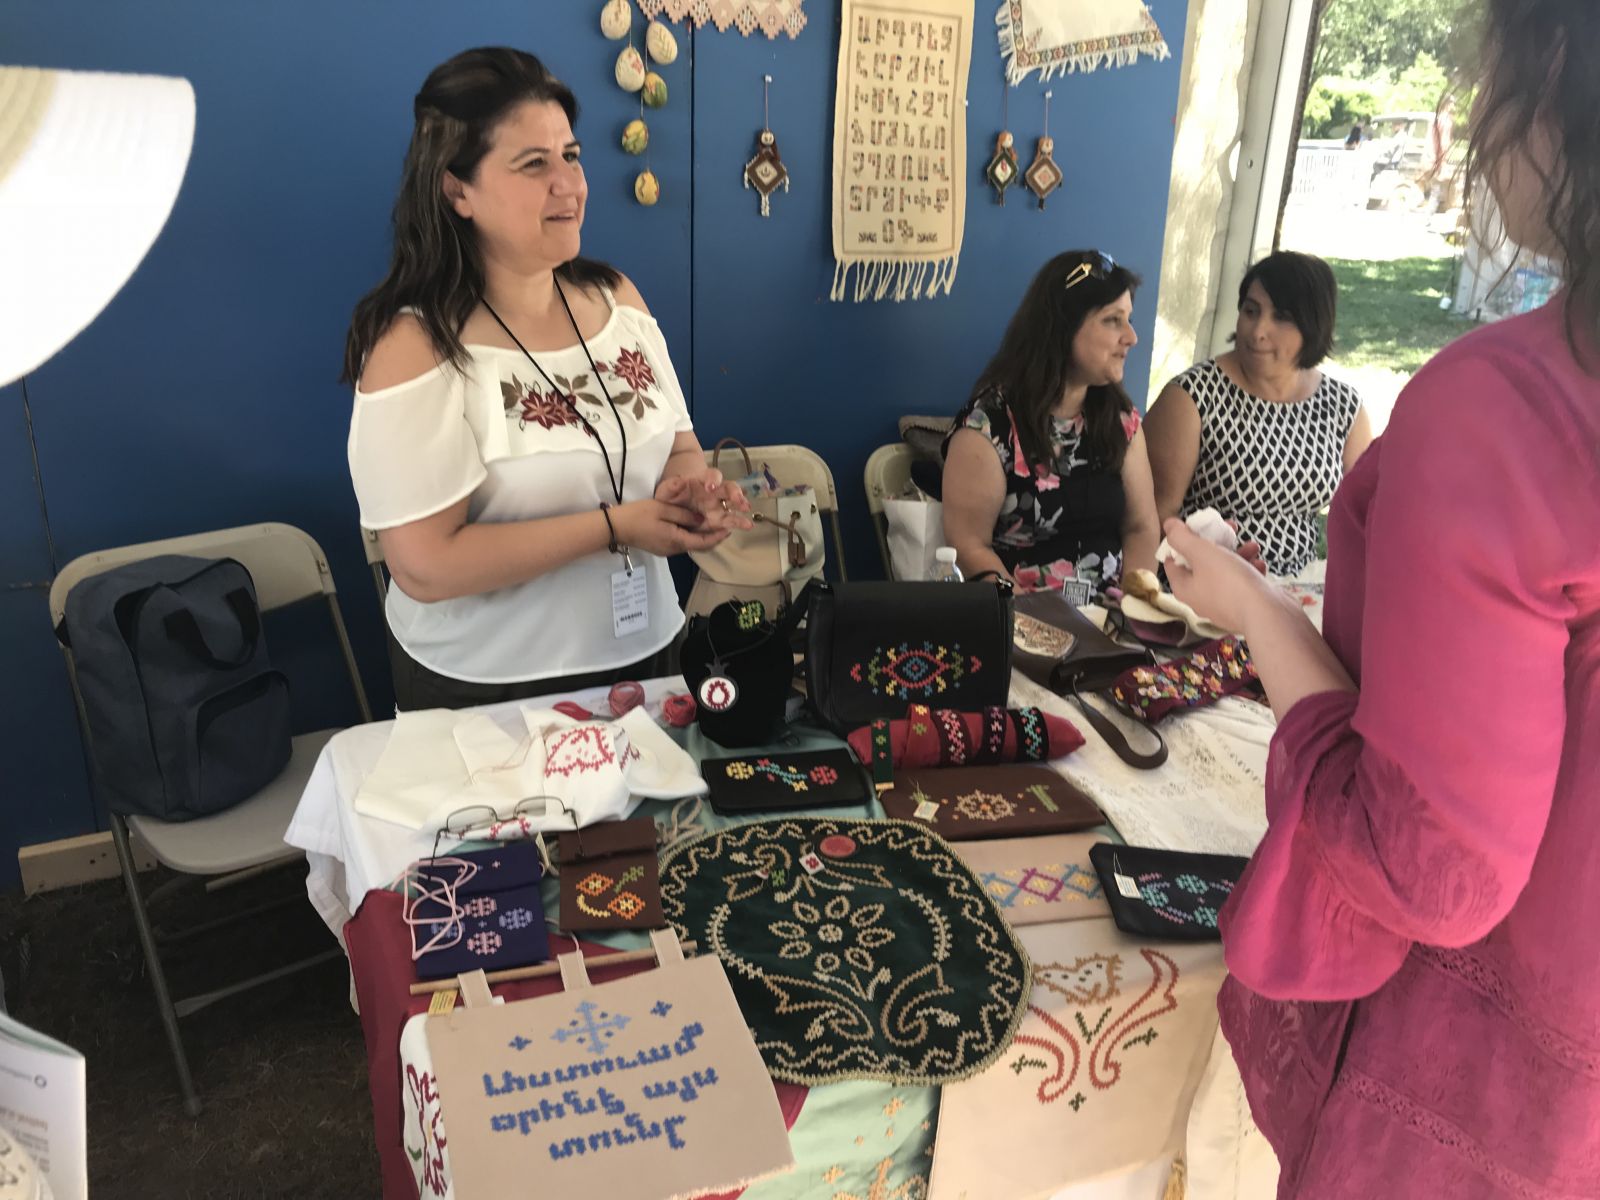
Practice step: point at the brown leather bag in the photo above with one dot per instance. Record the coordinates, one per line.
(1058, 647)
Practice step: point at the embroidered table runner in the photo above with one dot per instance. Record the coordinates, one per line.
(1034, 880)
(1101, 1075)
(857, 949)
(900, 146)
(1051, 36)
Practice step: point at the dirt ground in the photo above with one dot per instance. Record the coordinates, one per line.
(281, 1069)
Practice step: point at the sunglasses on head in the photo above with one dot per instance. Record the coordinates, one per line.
(1096, 266)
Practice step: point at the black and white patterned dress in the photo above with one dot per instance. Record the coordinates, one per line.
(1270, 467)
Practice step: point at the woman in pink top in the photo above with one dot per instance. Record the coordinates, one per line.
(1415, 991)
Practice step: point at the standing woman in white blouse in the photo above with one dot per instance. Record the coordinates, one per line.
(519, 439)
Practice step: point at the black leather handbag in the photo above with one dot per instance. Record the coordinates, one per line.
(1058, 647)
(875, 649)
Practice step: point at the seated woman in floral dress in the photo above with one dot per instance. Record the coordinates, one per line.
(1045, 474)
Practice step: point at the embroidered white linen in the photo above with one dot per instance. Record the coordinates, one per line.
(438, 761)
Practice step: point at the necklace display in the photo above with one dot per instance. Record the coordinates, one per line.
(717, 691)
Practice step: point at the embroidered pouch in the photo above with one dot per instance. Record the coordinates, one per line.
(761, 783)
(499, 929)
(610, 877)
(875, 649)
(508, 865)
(1166, 893)
(967, 803)
(857, 949)
(944, 737)
(1213, 670)
(1035, 880)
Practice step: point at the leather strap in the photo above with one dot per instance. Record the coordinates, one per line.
(1118, 741)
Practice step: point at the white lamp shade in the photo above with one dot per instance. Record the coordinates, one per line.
(90, 165)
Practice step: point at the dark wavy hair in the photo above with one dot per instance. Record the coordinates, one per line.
(436, 266)
(1539, 71)
(1303, 287)
(1031, 368)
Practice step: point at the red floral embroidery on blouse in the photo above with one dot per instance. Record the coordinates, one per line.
(632, 366)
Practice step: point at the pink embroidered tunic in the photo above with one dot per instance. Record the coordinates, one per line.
(1415, 992)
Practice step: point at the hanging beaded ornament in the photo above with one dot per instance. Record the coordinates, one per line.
(1043, 176)
(766, 172)
(1002, 169)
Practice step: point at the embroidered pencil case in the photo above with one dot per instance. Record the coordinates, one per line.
(498, 930)
(610, 876)
(762, 782)
(967, 803)
(1168, 894)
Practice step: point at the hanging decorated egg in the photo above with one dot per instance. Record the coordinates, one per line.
(616, 19)
(630, 70)
(646, 188)
(658, 40)
(636, 136)
(655, 90)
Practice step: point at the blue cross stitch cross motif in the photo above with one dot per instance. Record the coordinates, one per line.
(519, 1043)
(661, 1008)
(587, 1029)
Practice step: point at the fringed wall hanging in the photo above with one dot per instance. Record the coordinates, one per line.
(771, 17)
(1051, 36)
(900, 147)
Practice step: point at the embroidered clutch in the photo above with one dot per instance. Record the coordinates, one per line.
(1213, 670)
(767, 782)
(507, 865)
(499, 929)
(944, 737)
(1166, 893)
(967, 803)
(610, 876)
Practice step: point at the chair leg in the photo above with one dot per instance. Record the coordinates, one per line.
(152, 963)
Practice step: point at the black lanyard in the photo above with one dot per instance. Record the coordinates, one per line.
(616, 483)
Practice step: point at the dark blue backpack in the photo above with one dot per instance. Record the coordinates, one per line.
(186, 716)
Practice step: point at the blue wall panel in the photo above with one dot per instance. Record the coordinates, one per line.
(777, 361)
(207, 395)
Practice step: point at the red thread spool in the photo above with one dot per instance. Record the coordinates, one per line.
(625, 697)
(679, 710)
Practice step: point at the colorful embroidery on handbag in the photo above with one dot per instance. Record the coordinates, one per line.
(1213, 671)
(740, 769)
(918, 672)
(994, 734)
(425, 1096)
(1185, 900)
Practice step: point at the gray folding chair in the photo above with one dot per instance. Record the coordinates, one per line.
(793, 466)
(245, 841)
(375, 563)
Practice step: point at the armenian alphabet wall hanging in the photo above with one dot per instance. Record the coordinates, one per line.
(900, 147)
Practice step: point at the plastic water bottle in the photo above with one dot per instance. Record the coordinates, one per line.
(944, 566)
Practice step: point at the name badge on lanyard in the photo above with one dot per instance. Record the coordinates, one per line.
(630, 602)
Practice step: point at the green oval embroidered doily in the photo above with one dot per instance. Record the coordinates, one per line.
(857, 949)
